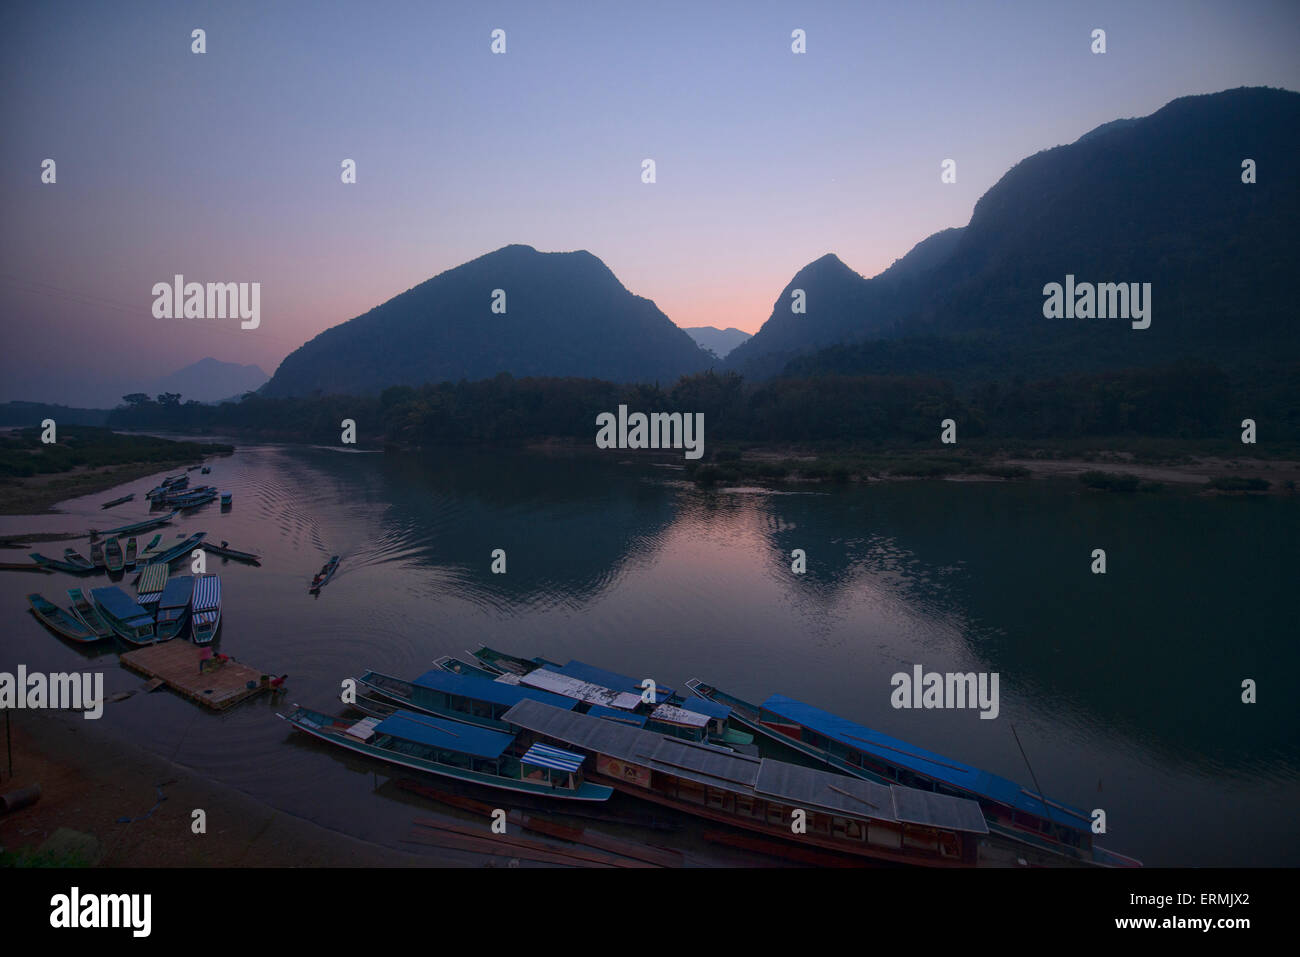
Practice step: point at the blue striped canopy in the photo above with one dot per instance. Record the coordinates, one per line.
(545, 756)
(207, 592)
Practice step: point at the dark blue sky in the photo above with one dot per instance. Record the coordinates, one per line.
(225, 166)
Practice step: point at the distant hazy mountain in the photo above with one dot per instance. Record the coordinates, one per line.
(565, 315)
(715, 340)
(209, 380)
(1156, 200)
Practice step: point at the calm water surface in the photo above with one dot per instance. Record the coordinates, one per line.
(1124, 687)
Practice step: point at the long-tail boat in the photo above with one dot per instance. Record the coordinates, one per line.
(59, 621)
(144, 553)
(624, 698)
(73, 557)
(442, 694)
(169, 554)
(174, 607)
(135, 527)
(113, 555)
(840, 813)
(205, 608)
(1013, 812)
(88, 614)
(128, 558)
(124, 616)
(97, 554)
(455, 750)
(225, 551)
(58, 564)
(460, 667)
(118, 501)
(323, 576)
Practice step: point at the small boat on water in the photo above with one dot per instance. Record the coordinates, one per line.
(88, 614)
(144, 526)
(502, 663)
(225, 551)
(149, 586)
(458, 666)
(129, 558)
(206, 470)
(73, 557)
(454, 750)
(97, 554)
(325, 574)
(113, 557)
(144, 553)
(59, 621)
(174, 607)
(173, 484)
(170, 553)
(226, 499)
(59, 565)
(1013, 813)
(127, 619)
(118, 501)
(193, 468)
(205, 605)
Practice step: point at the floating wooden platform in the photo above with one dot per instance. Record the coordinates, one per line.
(176, 664)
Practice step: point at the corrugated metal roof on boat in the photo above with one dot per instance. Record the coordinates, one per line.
(447, 735)
(915, 806)
(545, 756)
(177, 593)
(485, 689)
(571, 687)
(932, 765)
(809, 787)
(610, 679)
(207, 592)
(675, 715)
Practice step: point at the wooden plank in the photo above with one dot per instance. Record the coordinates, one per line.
(176, 664)
(494, 848)
(514, 841)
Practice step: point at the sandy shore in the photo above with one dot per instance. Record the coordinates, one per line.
(39, 493)
(89, 781)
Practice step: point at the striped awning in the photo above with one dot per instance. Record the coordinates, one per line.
(207, 592)
(545, 756)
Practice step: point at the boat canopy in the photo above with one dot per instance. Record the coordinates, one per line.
(485, 689)
(712, 708)
(610, 679)
(445, 735)
(545, 756)
(571, 687)
(119, 604)
(207, 592)
(177, 593)
(927, 763)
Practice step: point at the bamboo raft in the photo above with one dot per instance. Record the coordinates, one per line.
(176, 664)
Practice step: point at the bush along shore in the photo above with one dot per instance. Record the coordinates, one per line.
(34, 474)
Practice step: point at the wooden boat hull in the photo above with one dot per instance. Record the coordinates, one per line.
(113, 557)
(56, 565)
(86, 613)
(231, 553)
(59, 621)
(325, 575)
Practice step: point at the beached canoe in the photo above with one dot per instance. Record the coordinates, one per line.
(59, 621)
(85, 612)
(118, 501)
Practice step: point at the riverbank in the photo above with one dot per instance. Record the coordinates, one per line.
(90, 781)
(36, 476)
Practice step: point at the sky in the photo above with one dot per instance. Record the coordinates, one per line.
(225, 166)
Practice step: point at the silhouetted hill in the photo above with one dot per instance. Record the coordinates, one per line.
(566, 315)
(210, 380)
(1155, 200)
(715, 340)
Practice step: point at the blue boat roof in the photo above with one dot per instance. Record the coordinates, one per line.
(613, 714)
(611, 679)
(485, 689)
(448, 735)
(118, 604)
(706, 706)
(177, 593)
(921, 761)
